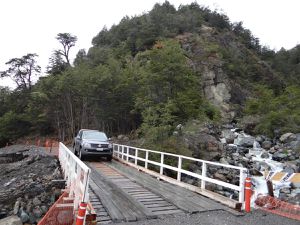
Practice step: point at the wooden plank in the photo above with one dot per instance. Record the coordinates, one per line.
(164, 208)
(151, 200)
(126, 204)
(182, 198)
(146, 197)
(113, 211)
(153, 205)
(167, 212)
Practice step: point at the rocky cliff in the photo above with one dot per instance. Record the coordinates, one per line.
(227, 69)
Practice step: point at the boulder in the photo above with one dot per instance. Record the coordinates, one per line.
(24, 216)
(224, 161)
(288, 137)
(11, 220)
(259, 139)
(244, 140)
(203, 145)
(266, 144)
(231, 148)
(264, 155)
(295, 145)
(220, 176)
(278, 156)
(228, 135)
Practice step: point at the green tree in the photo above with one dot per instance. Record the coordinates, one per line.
(168, 89)
(21, 70)
(280, 112)
(67, 41)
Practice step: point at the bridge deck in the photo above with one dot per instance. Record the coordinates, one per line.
(129, 195)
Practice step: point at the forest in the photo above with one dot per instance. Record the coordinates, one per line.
(138, 79)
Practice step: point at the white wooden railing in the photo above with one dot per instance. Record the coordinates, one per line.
(76, 173)
(133, 155)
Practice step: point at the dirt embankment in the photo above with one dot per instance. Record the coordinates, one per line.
(30, 182)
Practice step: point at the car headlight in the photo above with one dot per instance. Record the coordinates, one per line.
(86, 145)
(110, 145)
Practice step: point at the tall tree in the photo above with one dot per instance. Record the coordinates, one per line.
(56, 64)
(21, 70)
(68, 41)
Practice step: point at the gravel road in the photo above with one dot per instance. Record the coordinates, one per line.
(257, 217)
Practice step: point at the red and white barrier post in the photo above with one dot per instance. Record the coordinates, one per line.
(81, 213)
(248, 193)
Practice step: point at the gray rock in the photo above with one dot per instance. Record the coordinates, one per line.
(292, 157)
(228, 135)
(120, 137)
(244, 140)
(11, 220)
(279, 156)
(255, 172)
(37, 212)
(266, 144)
(224, 161)
(44, 209)
(231, 148)
(220, 176)
(235, 155)
(179, 127)
(294, 144)
(259, 139)
(287, 137)
(295, 192)
(16, 207)
(243, 150)
(272, 150)
(295, 185)
(36, 201)
(203, 145)
(24, 216)
(264, 155)
(264, 166)
(285, 190)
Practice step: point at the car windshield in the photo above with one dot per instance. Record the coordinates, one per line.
(94, 135)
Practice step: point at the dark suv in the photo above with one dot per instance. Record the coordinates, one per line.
(92, 143)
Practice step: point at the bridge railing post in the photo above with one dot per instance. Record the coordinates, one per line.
(161, 163)
(146, 159)
(136, 156)
(243, 175)
(179, 168)
(204, 168)
(127, 153)
(123, 152)
(119, 151)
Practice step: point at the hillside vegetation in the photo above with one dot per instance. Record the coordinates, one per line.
(150, 73)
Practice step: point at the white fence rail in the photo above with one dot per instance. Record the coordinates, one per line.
(135, 156)
(76, 173)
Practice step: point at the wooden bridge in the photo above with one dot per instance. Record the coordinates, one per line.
(121, 193)
(130, 188)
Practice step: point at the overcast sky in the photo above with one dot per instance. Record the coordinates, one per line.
(30, 26)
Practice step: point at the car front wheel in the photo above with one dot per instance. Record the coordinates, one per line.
(80, 156)
(74, 150)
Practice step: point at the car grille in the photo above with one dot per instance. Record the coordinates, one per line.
(94, 150)
(99, 145)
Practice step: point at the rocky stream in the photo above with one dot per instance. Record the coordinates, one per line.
(259, 154)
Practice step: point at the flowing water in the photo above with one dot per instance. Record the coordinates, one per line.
(266, 164)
